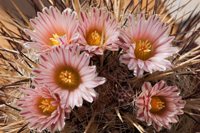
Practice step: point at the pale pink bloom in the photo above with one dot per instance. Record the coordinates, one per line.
(52, 28)
(91, 28)
(159, 105)
(43, 109)
(147, 44)
(68, 73)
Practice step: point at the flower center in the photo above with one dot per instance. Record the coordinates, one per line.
(143, 50)
(46, 106)
(68, 78)
(94, 39)
(54, 41)
(157, 104)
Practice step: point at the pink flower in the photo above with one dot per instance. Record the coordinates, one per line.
(53, 28)
(159, 105)
(147, 45)
(68, 73)
(42, 109)
(91, 29)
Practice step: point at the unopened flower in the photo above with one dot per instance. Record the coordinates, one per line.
(66, 72)
(52, 28)
(96, 27)
(147, 44)
(159, 105)
(43, 109)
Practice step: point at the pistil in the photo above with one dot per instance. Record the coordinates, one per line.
(157, 104)
(46, 106)
(143, 50)
(94, 39)
(54, 39)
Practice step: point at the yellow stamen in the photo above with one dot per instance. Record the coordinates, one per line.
(46, 106)
(54, 41)
(94, 39)
(68, 78)
(143, 50)
(157, 104)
